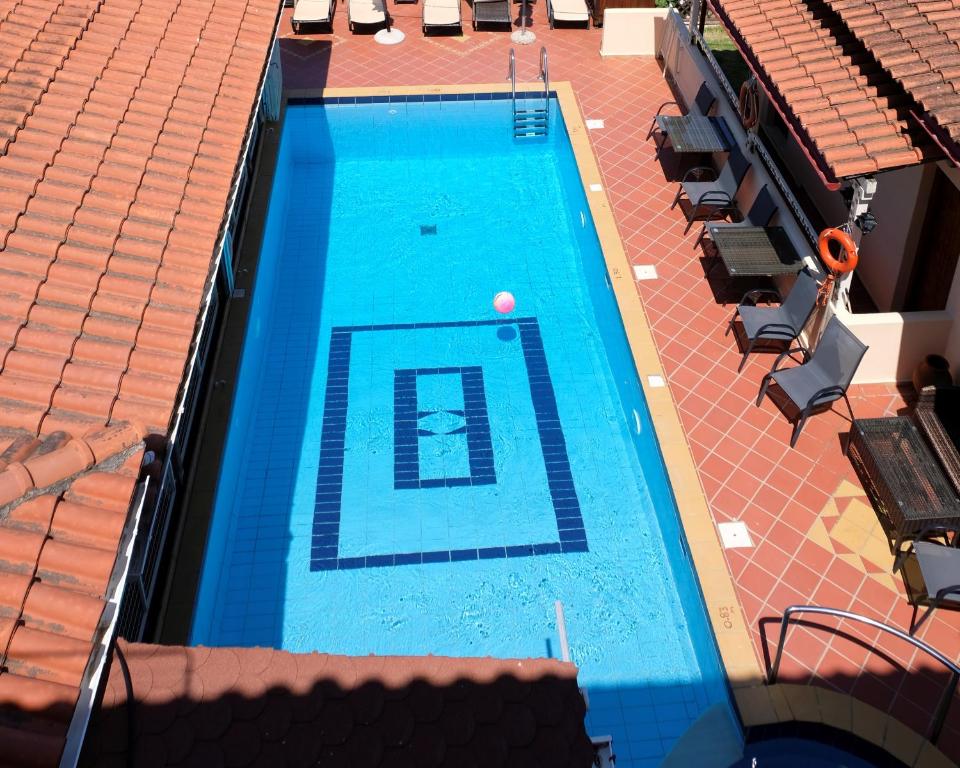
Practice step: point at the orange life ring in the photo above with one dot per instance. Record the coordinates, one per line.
(749, 104)
(849, 255)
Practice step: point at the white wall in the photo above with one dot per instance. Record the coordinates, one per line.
(886, 254)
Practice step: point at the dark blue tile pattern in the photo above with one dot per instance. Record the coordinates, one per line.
(566, 505)
(407, 434)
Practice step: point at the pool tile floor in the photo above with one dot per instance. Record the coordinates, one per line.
(813, 529)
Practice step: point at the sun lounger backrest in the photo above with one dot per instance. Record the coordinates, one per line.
(705, 99)
(763, 209)
(738, 164)
(801, 300)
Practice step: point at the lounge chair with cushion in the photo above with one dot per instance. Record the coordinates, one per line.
(932, 578)
(713, 197)
(823, 378)
(703, 103)
(491, 12)
(366, 13)
(761, 212)
(309, 12)
(783, 323)
(568, 10)
(441, 14)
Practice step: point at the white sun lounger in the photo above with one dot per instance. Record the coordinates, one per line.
(366, 12)
(312, 12)
(568, 10)
(441, 13)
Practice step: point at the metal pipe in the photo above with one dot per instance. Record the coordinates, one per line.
(943, 705)
(945, 701)
(562, 631)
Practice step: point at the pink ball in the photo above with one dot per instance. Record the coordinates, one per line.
(504, 302)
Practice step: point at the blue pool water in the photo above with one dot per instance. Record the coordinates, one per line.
(407, 471)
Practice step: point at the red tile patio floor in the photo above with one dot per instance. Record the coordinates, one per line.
(804, 506)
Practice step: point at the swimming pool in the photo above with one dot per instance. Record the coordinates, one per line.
(409, 472)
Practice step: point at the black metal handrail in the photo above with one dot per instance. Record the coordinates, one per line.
(940, 715)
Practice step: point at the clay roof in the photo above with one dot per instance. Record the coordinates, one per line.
(851, 114)
(216, 707)
(918, 43)
(121, 125)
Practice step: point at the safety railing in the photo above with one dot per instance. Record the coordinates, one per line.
(545, 76)
(940, 714)
(512, 77)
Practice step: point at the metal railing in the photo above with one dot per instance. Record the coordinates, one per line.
(512, 77)
(755, 144)
(940, 714)
(545, 76)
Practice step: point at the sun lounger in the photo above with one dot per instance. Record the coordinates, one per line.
(491, 12)
(308, 12)
(568, 10)
(715, 197)
(441, 14)
(366, 12)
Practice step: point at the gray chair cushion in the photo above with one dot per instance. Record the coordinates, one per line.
(940, 567)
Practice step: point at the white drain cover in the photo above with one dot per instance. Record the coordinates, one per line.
(735, 535)
(594, 124)
(644, 272)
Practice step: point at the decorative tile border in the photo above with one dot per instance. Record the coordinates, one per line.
(416, 98)
(325, 543)
(407, 430)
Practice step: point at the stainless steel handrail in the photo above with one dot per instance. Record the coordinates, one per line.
(545, 76)
(545, 72)
(512, 77)
(940, 715)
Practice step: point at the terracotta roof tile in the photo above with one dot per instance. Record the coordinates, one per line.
(816, 59)
(119, 140)
(918, 44)
(256, 706)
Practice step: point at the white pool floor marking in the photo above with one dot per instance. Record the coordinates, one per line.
(735, 535)
(594, 124)
(644, 272)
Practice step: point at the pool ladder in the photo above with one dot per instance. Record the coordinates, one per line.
(528, 121)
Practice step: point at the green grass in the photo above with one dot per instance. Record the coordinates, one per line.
(727, 55)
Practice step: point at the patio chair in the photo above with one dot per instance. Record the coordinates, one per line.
(568, 10)
(783, 323)
(823, 378)
(714, 197)
(310, 12)
(703, 102)
(932, 578)
(761, 212)
(441, 14)
(491, 12)
(365, 13)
